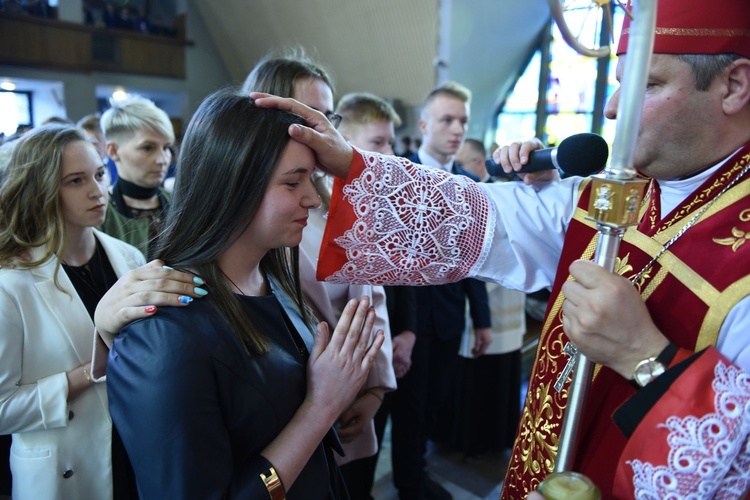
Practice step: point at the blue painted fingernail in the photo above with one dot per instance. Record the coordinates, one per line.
(200, 291)
(184, 299)
(197, 280)
(168, 268)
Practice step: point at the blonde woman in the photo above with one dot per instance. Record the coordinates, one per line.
(54, 267)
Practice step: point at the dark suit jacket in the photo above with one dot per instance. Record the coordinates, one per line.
(442, 308)
(401, 302)
(457, 169)
(194, 410)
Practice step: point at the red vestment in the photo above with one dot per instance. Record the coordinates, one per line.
(688, 292)
(687, 274)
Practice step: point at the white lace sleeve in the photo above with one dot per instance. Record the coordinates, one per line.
(414, 225)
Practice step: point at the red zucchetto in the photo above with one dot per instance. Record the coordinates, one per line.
(698, 27)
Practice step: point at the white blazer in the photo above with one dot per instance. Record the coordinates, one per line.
(60, 450)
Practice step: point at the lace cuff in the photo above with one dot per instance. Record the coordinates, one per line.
(395, 223)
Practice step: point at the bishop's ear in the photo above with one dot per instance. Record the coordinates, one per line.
(737, 95)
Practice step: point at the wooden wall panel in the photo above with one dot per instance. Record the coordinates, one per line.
(143, 57)
(50, 44)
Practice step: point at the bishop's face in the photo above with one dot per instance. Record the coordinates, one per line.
(677, 134)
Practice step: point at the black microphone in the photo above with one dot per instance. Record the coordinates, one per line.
(580, 154)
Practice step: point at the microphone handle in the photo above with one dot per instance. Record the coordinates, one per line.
(540, 159)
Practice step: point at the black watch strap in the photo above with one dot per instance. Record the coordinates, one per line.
(667, 355)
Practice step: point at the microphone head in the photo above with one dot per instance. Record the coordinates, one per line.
(582, 154)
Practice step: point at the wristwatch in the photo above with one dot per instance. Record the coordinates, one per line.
(650, 368)
(647, 370)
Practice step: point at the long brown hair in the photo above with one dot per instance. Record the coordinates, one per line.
(228, 156)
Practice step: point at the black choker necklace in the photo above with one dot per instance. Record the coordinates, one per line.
(131, 190)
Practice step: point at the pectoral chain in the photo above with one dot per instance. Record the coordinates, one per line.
(571, 350)
(635, 279)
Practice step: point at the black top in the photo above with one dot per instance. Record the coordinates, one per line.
(195, 410)
(154, 216)
(91, 281)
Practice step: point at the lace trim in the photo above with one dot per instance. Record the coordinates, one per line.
(710, 456)
(415, 225)
(489, 234)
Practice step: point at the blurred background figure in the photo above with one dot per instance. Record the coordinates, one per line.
(406, 149)
(91, 127)
(58, 120)
(488, 395)
(471, 157)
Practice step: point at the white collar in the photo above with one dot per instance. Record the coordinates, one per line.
(429, 161)
(674, 191)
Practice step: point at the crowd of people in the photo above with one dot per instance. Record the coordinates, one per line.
(125, 17)
(305, 285)
(38, 8)
(100, 14)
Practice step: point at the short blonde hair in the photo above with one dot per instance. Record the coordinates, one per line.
(362, 107)
(132, 114)
(449, 89)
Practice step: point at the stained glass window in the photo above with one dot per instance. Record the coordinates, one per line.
(571, 95)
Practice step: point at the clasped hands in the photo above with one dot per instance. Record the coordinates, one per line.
(338, 364)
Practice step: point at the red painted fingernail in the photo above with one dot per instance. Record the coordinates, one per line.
(150, 309)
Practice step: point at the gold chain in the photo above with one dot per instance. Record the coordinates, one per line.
(687, 226)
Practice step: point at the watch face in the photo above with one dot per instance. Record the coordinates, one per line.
(647, 370)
